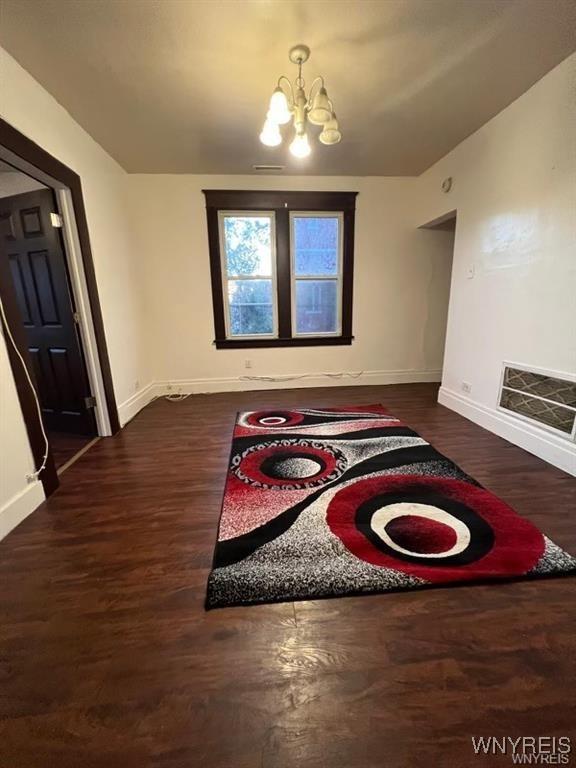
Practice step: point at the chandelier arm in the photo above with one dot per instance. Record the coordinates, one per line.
(318, 79)
(280, 79)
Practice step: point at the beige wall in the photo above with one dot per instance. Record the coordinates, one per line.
(400, 286)
(515, 192)
(30, 109)
(17, 497)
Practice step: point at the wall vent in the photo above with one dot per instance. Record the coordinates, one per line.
(540, 397)
(271, 168)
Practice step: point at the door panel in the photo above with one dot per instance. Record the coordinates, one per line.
(63, 380)
(39, 273)
(31, 220)
(21, 290)
(45, 384)
(44, 294)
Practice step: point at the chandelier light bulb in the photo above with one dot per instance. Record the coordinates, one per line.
(331, 132)
(300, 146)
(270, 135)
(321, 111)
(279, 111)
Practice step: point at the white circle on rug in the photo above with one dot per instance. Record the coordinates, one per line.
(272, 420)
(383, 516)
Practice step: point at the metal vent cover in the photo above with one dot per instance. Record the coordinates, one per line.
(271, 168)
(542, 398)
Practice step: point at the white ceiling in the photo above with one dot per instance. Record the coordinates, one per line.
(181, 86)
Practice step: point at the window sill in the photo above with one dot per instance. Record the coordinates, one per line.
(303, 341)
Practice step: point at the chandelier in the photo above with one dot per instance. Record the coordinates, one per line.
(291, 103)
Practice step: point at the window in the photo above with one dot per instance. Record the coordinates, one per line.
(247, 245)
(281, 267)
(316, 265)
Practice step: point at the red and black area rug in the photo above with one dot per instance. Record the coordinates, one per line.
(323, 503)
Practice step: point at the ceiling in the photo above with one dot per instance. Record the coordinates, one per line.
(181, 86)
(14, 182)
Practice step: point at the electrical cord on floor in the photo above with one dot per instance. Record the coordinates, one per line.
(178, 397)
(342, 375)
(33, 475)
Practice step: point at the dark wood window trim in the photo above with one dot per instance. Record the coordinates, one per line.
(281, 203)
(14, 141)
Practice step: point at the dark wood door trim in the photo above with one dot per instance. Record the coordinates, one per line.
(32, 153)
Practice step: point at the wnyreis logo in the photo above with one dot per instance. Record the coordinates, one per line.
(526, 750)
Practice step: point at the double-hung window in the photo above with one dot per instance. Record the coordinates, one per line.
(248, 248)
(281, 267)
(316, 266)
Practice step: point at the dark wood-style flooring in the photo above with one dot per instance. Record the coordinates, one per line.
(66, 446)
(109, 659)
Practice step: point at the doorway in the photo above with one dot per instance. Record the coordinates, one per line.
(51, 314)
(440, 239)
(35, 262)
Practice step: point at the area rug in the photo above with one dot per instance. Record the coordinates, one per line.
(331, 502)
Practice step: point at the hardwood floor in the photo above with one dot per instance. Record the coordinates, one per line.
(66, 446)
(109, 659)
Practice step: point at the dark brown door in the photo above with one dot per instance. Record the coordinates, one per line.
(34, 258)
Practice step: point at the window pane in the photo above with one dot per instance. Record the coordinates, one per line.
(315, 245)
(247, 241)
(250, 304)
(316, 306)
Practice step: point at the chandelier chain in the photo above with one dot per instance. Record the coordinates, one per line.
(300, 80)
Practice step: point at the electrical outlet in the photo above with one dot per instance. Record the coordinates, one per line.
(247, 363)
(470, 272)
(466, 387)
(136, 385)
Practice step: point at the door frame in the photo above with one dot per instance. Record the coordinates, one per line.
(28, 157)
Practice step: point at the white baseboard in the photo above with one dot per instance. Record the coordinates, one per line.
(20, 506)
(239, 384)
(552, 448)
(130, 407)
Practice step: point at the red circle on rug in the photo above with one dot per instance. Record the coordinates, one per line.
(420, 534)
(517, 547)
